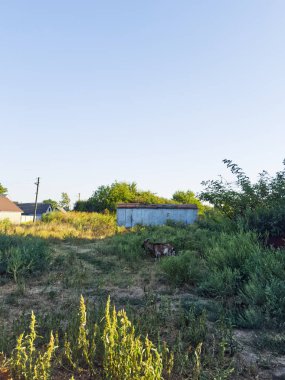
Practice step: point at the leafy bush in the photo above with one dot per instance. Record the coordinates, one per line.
(3, 189)
(188, 197)
(222, 283)
(257, 206)
(267, 221)
(234, 267)
(239, 267)
(215, 221)
(187, 267)
(234, 199)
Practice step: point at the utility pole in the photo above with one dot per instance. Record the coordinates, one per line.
(79, 197)
(36, 201)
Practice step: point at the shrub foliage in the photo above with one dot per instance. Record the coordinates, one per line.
(259, 205)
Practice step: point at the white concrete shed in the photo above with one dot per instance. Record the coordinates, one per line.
(131, 214)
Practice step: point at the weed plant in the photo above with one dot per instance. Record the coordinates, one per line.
(103, 343)
(27, 361)
(274, 342)
(202, 350)
(111, 350)
(21, 256)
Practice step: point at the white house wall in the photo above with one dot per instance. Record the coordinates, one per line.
(27, 218)
(30, 218)
(13, 217)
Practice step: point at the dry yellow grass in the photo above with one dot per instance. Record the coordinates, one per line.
(58, 225)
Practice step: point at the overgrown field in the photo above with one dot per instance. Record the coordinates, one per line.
(59, 225)
(215, 311)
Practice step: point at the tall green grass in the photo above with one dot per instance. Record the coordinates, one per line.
(21, 256)
(237, 270)
(128, 245)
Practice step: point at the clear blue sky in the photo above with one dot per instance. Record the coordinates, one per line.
(155, 91)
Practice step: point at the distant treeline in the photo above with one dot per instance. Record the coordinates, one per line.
(106, 198)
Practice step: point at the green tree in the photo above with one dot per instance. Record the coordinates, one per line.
(3, 190)
(188, 197)
(236, 199)
(65, 201)
(107, 197)
(54, 204)
(81, 206)
(148, 197)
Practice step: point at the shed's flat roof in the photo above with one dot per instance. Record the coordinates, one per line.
(168, 206)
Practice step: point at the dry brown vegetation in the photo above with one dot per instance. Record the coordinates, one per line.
(59, 225)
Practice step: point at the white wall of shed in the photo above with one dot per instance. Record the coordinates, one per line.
(130, 217)
(26, 218)
(30, 218)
